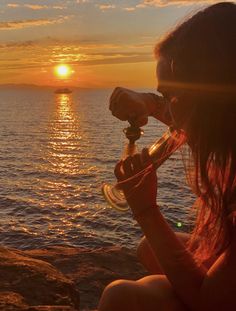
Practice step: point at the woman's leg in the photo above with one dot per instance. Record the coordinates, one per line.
(147, 258)
(152, 293)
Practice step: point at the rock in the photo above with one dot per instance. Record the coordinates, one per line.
(92, 270)
(33, 282)
(51, 308)
(12, 301)
(51, 279)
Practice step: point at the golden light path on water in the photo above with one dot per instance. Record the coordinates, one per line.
(64, 137)
(66, 165)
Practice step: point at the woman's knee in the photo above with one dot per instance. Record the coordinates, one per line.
(158, 294)
(147, 258)
(118, 295)
(149, 293)
(119, 288)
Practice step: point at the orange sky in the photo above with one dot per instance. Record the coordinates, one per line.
(106, 43)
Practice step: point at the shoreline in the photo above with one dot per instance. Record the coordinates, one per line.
(70, 277)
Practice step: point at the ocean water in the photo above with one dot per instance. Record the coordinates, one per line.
(56, 152)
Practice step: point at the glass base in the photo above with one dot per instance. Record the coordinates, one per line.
(115, 197)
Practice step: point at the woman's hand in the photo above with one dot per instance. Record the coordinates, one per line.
(132, 106)
(137, 178)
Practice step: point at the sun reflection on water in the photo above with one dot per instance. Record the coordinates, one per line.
(68, 173)
(60, 186)
(67, 181)
(64, 144)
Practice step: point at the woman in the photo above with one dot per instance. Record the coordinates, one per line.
(196, 73)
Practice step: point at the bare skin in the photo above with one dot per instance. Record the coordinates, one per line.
(150, 293)
(147, 257)
(184, 284)
(155, 288)
(153, 292)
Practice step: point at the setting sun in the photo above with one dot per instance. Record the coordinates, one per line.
(63, 71)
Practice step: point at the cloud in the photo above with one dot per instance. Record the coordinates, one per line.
(36, 61)
(89, 43)
(49, 51)
(105, 7)
(58, 7)
(23, 44)
(31, 23)
(162, 3)
(35, 6)
(13, 5)
(129, 9)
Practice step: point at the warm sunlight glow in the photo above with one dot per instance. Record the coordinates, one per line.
(63, 71)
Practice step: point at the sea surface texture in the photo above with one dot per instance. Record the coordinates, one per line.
(56, 152)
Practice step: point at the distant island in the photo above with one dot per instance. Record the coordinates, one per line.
(40, 87)
(63, 91)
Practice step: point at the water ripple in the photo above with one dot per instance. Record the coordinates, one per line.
(55, 154)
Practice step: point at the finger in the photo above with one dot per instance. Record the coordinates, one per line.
(141, 120)
(115, 92)
(128, 167)
(145, 157)
(149, 175)
(115, 106)
(112, 100)
(121, 115)
(137, 163)
(118, 171)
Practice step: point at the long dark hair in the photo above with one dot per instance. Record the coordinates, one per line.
(201, 53)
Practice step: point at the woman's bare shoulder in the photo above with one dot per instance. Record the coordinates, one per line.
(219, 286)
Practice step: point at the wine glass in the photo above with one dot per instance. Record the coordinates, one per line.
(159, 152)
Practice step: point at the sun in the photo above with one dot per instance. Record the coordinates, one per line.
(63, 71)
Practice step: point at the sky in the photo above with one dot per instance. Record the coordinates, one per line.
(105, 43)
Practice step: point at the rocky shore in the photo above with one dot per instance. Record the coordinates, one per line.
(62, 278)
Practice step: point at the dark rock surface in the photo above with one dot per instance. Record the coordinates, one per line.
(32, 282)
(52, 279)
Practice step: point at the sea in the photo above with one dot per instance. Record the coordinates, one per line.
(56, 152)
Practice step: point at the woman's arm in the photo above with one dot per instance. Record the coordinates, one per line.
(177, 263)
(199, 289)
